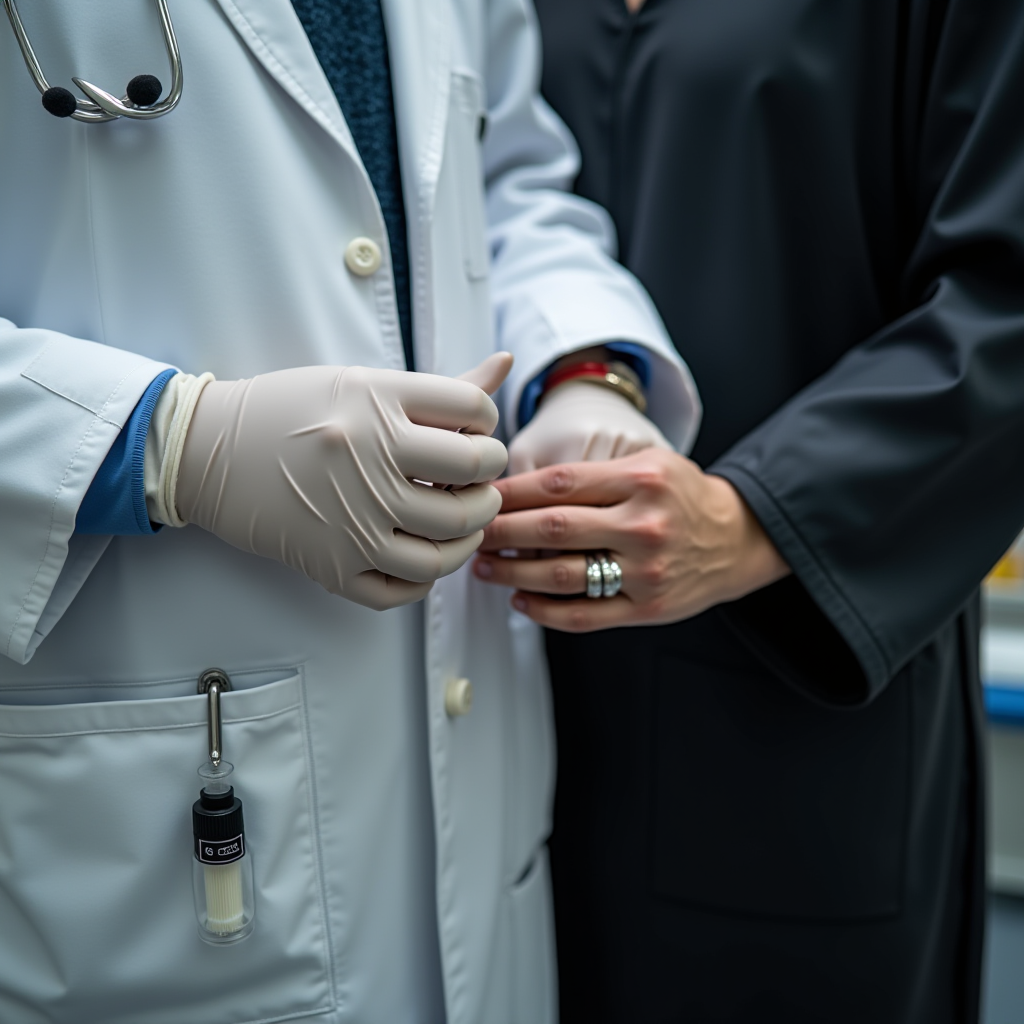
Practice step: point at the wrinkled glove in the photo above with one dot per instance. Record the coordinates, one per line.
(328, 470)
(582, 422)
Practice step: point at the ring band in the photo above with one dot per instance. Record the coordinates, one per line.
(604, 575)
(611, 575)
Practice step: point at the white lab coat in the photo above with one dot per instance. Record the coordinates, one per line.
(398, 852)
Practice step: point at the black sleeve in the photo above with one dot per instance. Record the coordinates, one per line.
(894, 482)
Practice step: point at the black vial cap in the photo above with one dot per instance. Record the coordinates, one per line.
(59, 101)
(144, 90)
(217, 815)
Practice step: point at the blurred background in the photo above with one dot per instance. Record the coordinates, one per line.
(1002, 670)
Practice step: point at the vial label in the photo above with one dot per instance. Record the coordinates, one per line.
(221, 851)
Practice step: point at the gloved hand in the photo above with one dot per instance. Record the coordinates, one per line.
(317, 467)
(582, 422)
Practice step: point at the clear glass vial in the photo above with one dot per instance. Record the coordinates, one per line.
(222, 882)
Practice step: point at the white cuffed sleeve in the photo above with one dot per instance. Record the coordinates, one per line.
(555, 284)
(63, 402)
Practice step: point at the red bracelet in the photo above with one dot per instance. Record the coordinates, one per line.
(585, 369)
(614, 375)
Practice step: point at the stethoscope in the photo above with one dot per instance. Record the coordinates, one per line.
(141, 95)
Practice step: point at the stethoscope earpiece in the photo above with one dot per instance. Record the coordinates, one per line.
(140, 100)
(59, 101)
(144, 90)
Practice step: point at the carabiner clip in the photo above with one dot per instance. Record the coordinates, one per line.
(213, 682)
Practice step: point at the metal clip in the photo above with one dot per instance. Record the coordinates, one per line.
(213, 682)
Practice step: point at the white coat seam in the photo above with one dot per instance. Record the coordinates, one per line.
(313, 809)
(92, 235)
(176, 680)
(74, 401)
(146, 728)
(430, 169)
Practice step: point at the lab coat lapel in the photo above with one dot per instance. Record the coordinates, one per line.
(419, 48)
(272, 30)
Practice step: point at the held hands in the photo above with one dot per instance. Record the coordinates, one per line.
(328, 470)
(685, 541)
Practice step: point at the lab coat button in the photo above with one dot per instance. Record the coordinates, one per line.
(458, 697)
(362, 256)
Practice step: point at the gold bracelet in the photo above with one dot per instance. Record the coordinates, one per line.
(615, 380)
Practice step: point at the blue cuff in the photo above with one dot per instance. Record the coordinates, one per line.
(635, 355)
(116, 500)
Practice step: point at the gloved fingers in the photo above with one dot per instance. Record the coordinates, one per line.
(378, 591)
(434, 401)
(447, 457)
(523, 454)
(423, 561)
(437, 514)
(491, 373)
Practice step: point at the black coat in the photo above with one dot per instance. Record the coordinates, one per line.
(773, 812)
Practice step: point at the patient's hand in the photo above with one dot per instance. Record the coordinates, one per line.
(685, 541)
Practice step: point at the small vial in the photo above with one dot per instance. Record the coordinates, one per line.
(222, 867)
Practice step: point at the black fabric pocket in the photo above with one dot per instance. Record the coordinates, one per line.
(767, 804)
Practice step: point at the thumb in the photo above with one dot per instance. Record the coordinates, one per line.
(491, 373)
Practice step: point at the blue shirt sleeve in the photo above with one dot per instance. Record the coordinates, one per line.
(635, 355)
(116, 500)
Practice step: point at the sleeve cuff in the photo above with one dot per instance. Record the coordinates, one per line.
(635, 355)
(837, 659)
(115, 503)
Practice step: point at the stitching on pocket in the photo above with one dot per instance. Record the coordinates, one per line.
(314, 819)
(145, 728)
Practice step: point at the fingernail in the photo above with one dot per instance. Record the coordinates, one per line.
(519, 603)
(483, 569)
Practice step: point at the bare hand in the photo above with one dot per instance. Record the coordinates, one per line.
(685, 541)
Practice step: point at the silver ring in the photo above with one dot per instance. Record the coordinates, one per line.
(595, 576)
(611, 575)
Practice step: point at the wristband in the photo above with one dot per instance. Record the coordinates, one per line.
(615, 375)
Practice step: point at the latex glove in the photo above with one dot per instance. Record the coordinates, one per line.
(582, 422)
(317, 467)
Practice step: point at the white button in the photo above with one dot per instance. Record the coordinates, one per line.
(362, 256)
(458, 697)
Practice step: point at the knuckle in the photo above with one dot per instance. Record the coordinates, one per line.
(654, 573)
(561, 578)
(558, 480)
(653, 530)
(555, 526)
(652, 469)
(358, 375)
(578, 621)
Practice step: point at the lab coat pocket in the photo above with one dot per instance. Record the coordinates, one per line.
(96, 863)
(467, 123)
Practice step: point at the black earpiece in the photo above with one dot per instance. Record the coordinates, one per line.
(144, 90)
(59, 101)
